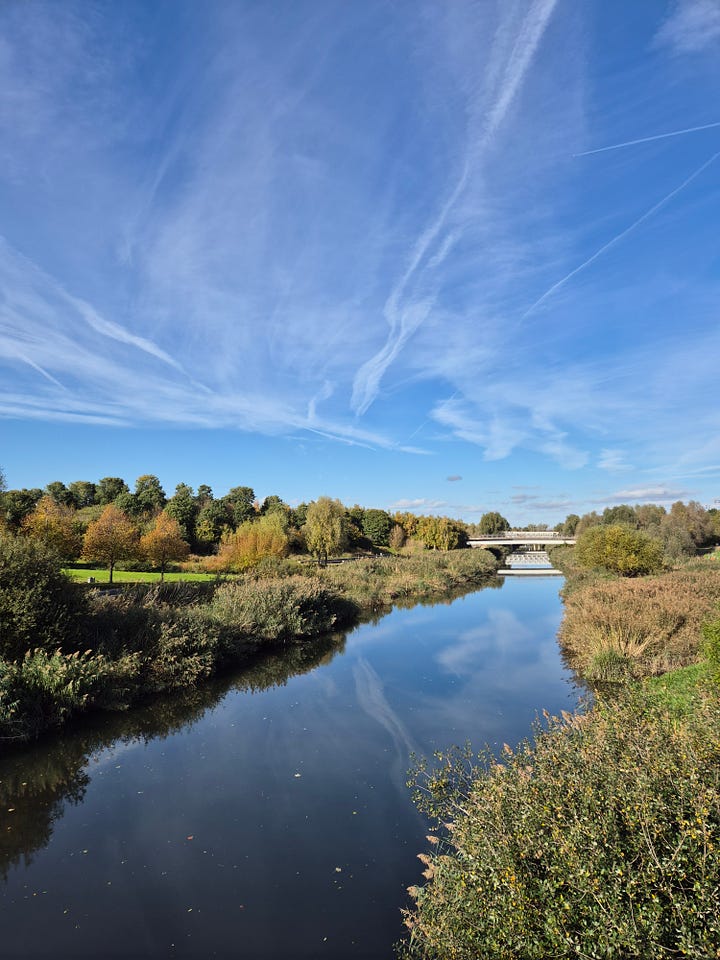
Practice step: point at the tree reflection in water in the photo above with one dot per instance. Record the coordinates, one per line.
(37, 781)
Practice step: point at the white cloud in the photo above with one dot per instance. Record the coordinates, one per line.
(613, 461)
(650, 494)
(420, 503)
(694, 25)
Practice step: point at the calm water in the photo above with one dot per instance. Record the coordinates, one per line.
(266, 815)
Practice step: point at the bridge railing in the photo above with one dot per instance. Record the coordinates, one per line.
(514, 534)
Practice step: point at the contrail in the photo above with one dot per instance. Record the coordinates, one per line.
(624, 233)
(658, 136)
(404, 321)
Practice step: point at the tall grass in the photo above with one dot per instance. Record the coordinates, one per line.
(620, 629)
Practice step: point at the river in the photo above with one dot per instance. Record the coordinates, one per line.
(267, 814)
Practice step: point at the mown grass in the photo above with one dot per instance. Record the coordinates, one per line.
(101, 575)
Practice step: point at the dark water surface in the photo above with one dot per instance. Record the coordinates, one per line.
(266, 815)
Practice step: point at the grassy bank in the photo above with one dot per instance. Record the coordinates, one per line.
(600, 837)
(69, 648)
(101, 575)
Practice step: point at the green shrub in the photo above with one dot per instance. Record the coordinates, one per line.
(600, 840)
(620, 549)
(186, 651)
(45, 689)
(39, 606)
(281, 609)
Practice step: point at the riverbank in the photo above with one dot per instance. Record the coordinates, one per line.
(601, 835)
(70, 649)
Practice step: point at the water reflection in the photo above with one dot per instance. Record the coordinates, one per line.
(37, 781)
(265, 814)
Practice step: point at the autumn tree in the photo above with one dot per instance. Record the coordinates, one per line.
(164, 542)
(397, 538)
(55, 525)
(253, 540)
(325, 528)
(110, 538)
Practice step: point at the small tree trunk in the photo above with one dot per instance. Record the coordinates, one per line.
(111, 572)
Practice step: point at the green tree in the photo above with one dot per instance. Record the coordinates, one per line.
(204, 493)
(274, 504)
(696, 521)
(376, 525)
(82, 493)
(241, 502)
(149, 495)
(17, 504)
(109, 489)
(493, 523)
(619, 549)
(213, 520)
(325, 528)
(183, 507)
(569, 527)
(59, 493)
(621, 513)
(110, 538)
(164, 542)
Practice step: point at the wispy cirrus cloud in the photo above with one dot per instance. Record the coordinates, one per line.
(693, 26)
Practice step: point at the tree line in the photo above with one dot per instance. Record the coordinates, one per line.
(107, 523)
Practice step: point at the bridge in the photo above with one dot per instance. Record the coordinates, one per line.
(521, 538)
(528, 551)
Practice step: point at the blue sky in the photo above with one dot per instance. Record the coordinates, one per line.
(453, 256)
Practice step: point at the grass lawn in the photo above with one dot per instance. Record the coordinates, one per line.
(132, 576)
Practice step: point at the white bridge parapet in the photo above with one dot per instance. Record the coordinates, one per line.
(522, 538)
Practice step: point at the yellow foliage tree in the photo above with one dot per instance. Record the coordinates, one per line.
(251, 542)
(164, 542)
(56, 525)
(110, 538)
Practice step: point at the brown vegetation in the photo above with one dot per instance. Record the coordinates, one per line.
(616, 629)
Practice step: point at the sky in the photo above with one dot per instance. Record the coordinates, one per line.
(442, 255)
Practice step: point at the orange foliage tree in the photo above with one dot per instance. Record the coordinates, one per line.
(110, 538)
(164, 542)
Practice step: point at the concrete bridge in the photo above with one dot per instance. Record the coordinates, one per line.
(521, 538)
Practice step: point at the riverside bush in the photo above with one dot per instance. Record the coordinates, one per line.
(39, 605)
(45, 689)
(281, 609)
(600, 839)
(620, 549)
